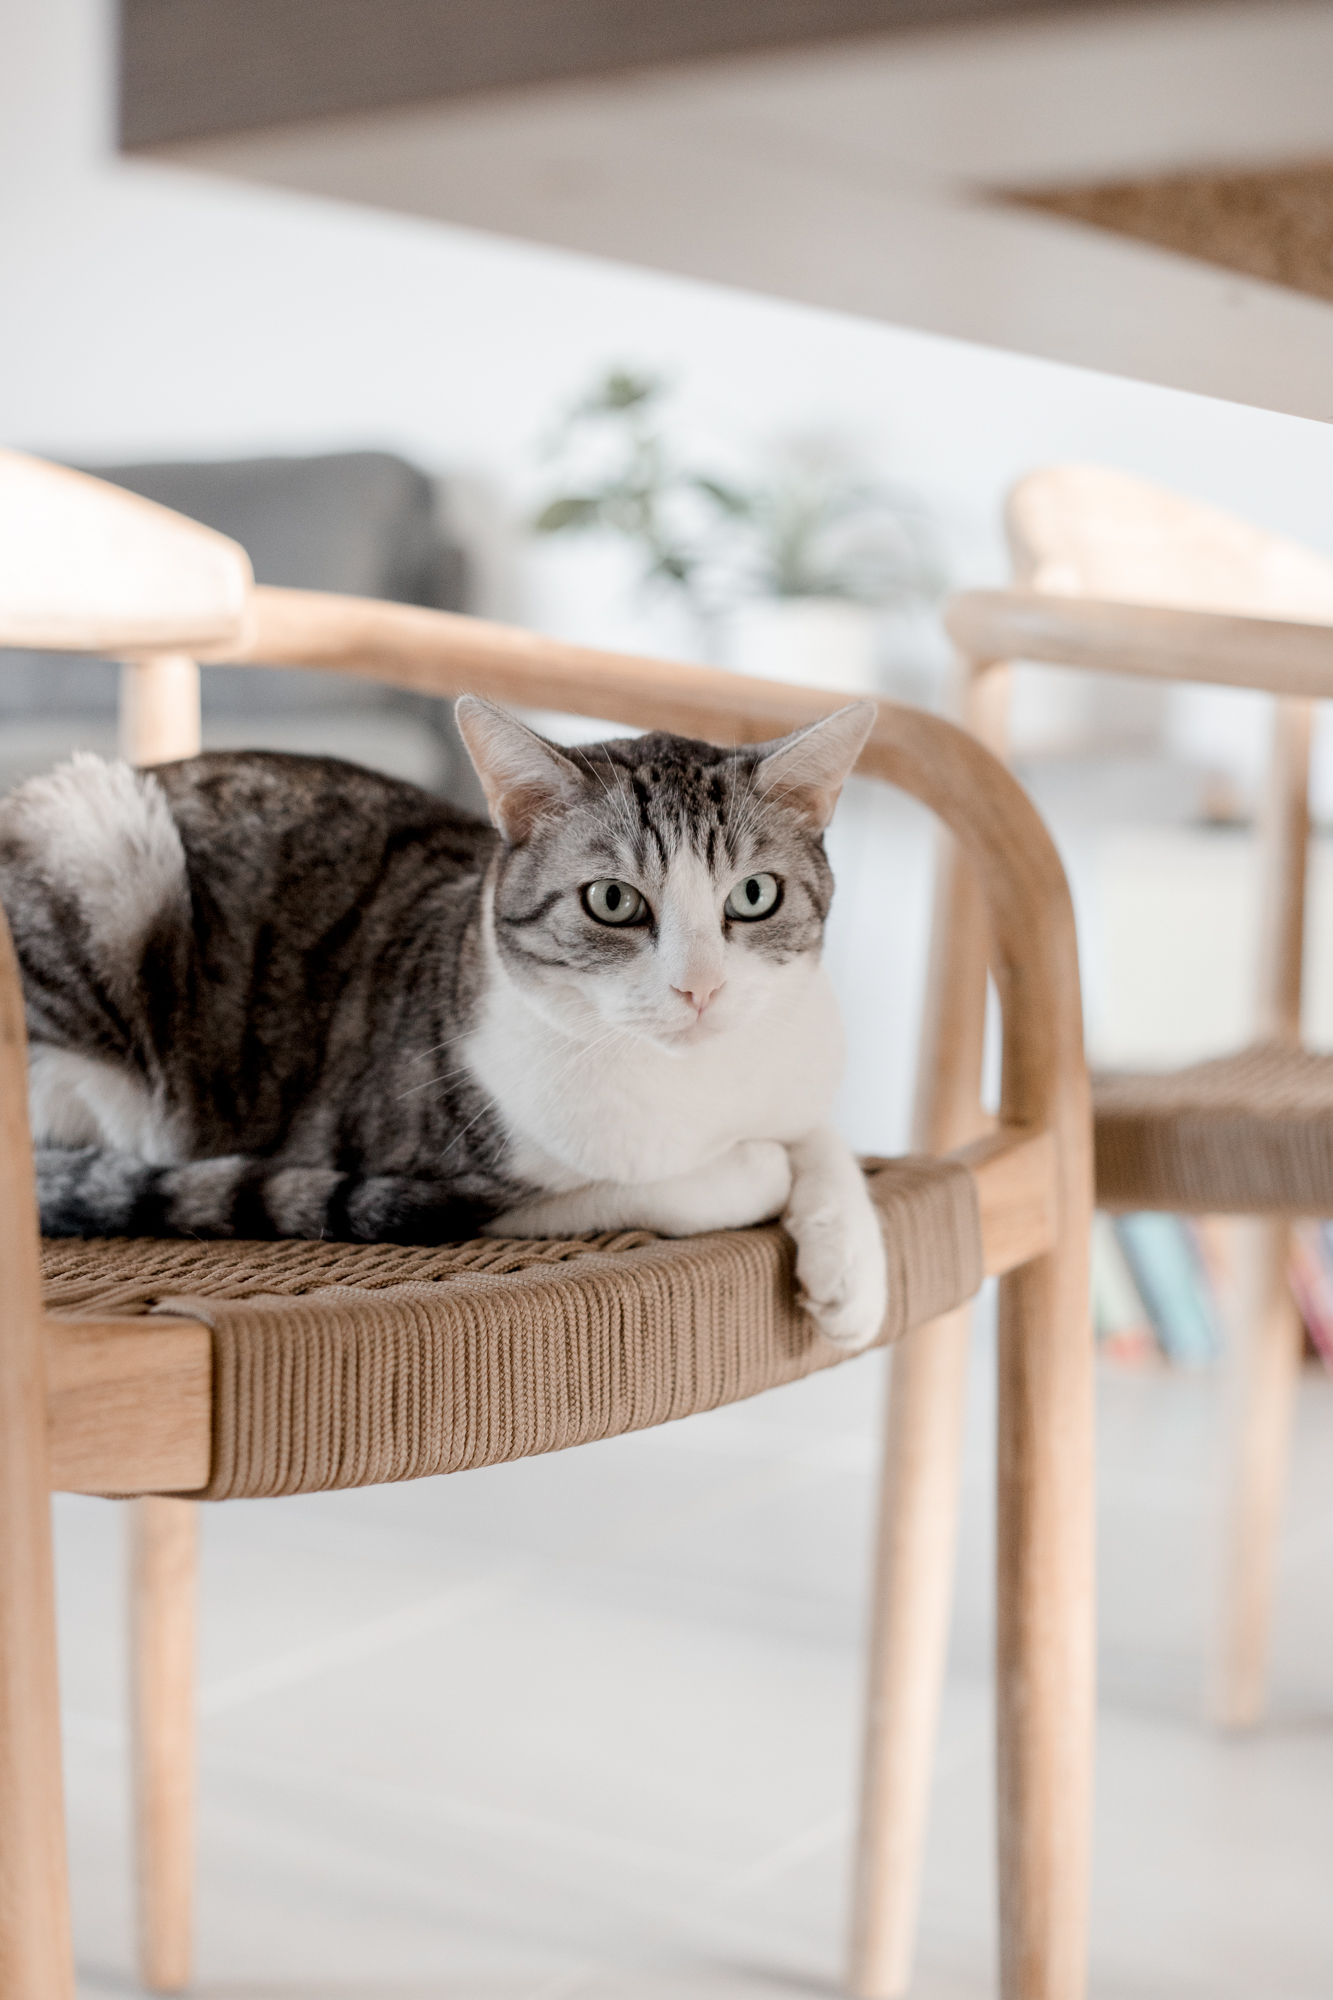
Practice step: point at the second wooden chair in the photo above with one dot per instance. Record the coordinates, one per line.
(1114, 574)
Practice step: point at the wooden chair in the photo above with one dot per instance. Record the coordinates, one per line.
(1114, 574)
(223, 1389)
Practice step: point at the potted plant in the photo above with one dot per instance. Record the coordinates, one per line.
(788, 573)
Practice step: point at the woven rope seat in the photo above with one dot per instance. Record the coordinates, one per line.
(1250, 1133)
(339, 1365)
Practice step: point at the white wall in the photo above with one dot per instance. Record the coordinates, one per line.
(149, 312)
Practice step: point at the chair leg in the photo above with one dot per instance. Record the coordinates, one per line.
(159, 708)
(1045, 1662)
(163, 1564)
(1263, 1373)
(909, 1636)
(36, 1962)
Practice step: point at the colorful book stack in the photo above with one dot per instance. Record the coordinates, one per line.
(1155, 1290)
(1122, 1326)
(1158, 1280)
(1312, 1283)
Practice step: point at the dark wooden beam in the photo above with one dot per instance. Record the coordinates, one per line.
(195, 68)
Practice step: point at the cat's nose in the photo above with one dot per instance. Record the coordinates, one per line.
(701, 994)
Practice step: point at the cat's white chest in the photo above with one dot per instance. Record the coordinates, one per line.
(622, 1109)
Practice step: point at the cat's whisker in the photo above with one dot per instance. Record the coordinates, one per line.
(612, 1041)
(616, 798)
(447, 1043)
(584, 1052)
(465, 1130)
(444, 1077)
(748, 812)
(733, 809)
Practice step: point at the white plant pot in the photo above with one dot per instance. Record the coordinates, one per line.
(820, 642)
(1228, 731)
(1058, 711)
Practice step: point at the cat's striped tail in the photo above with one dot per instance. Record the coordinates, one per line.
(89, 1191)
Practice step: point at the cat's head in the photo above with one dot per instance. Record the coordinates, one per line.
(654, 884)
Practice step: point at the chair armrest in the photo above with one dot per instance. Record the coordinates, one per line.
(1017, 1178)
(1271, 654)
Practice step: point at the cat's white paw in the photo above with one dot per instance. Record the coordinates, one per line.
(758, 1184)
(840, 1263)
(749, 1183)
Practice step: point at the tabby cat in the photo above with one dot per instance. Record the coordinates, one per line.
(285, 996)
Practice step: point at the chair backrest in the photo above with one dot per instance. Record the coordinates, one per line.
(1089, 531)
(88, 568)
(366, 523)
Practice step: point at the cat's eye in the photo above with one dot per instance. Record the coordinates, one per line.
(614, 903)
(754, 896)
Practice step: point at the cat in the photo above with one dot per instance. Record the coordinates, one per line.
(271, 995)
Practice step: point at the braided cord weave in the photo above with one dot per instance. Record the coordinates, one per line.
(338, 1365)
(1244, 1134)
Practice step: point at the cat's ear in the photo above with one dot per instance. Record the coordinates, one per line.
(521, 773)
(806, 771)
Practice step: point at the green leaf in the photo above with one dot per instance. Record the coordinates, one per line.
(623, 391)
(729, 498)
(617, 392)
(574, 511)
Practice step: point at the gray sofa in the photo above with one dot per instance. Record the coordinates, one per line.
(365, 522)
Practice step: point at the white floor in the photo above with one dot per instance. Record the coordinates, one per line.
(587, 1726)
